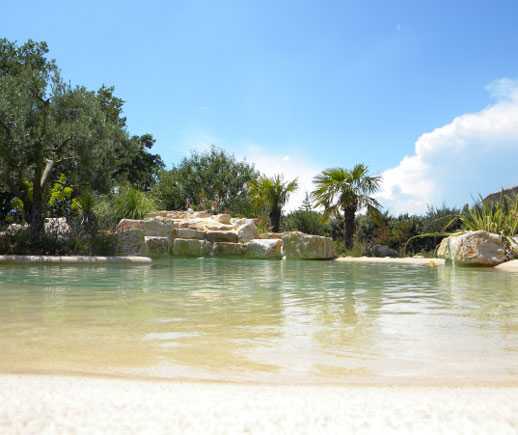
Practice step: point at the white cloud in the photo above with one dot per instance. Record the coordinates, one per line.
(475, 153)
(288, 165)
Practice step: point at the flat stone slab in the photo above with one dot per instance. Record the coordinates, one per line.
(54, 259)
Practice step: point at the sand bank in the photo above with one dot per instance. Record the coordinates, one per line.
(47, 404)
(407, 260)
(508, 265)
(55, 259)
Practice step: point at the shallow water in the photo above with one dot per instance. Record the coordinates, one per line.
(266, 321)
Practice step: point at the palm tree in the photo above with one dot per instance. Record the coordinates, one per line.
(273, 193)
(339, 189)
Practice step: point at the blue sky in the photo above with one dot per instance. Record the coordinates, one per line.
(299, 86)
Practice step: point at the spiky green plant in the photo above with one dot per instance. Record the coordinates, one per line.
(131, 203)
(498, 217)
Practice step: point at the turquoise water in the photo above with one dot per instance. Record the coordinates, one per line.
(265, 321)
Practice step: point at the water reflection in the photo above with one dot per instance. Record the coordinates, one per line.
(254, 320)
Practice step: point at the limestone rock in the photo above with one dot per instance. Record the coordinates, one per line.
(227, 249)
(161, 227)
(191, 248)
(247, 232)
(219, 227)
(187, 233)
(221, 236)
(300, 245)
(222, 218)
(156, 246)
(473, 248)
(264, 248)
(129, 224)
(270, 236)
(129, 242)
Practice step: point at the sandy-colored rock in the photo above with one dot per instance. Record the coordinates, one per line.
(156, 246)
(210, 226)
(221, 236)
(473, 248)
(247, 232)
(263, 248)
(227, 249)
(160, 227)
(191, 248)
(300, 245)
(130, 224)
(222, 218)
(270, 236)
(187, 233)
(129, 242)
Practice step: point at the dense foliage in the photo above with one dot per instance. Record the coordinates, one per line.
(212, 180)
(53, 133)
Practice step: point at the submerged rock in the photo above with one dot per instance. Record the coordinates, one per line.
(473, 248)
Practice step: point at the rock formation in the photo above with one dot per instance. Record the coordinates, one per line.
(200, 234)
(473, 248)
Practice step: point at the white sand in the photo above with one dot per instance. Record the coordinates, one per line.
(407, 260)
(508, 265)
(45, 404)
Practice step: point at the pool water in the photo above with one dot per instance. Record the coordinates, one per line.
(262, 321)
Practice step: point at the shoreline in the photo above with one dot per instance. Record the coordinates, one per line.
(405, 260)
(59, 404)
(72, 259)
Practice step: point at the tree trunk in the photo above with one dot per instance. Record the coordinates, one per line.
(37, 206)
(349, 213)
(275, 219)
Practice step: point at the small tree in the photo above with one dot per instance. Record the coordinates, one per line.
(341, 190)
(273, 193)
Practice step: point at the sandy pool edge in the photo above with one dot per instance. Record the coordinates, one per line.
(36, 403)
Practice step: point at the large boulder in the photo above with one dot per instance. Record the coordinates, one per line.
(159, 227)
(264, 248)
(221, 236)
(222, 218)
(129, 224)
(247, 232)
(227, 249)
(383, 251)
(473, 248)
(187, 233)
(57, 227)
(129, 242)
(156, 246)
(191, 248)
(311, 247)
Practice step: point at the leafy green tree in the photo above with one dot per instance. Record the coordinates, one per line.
(214, 175)
(273, 192)
(49, 128)
(341, 190)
